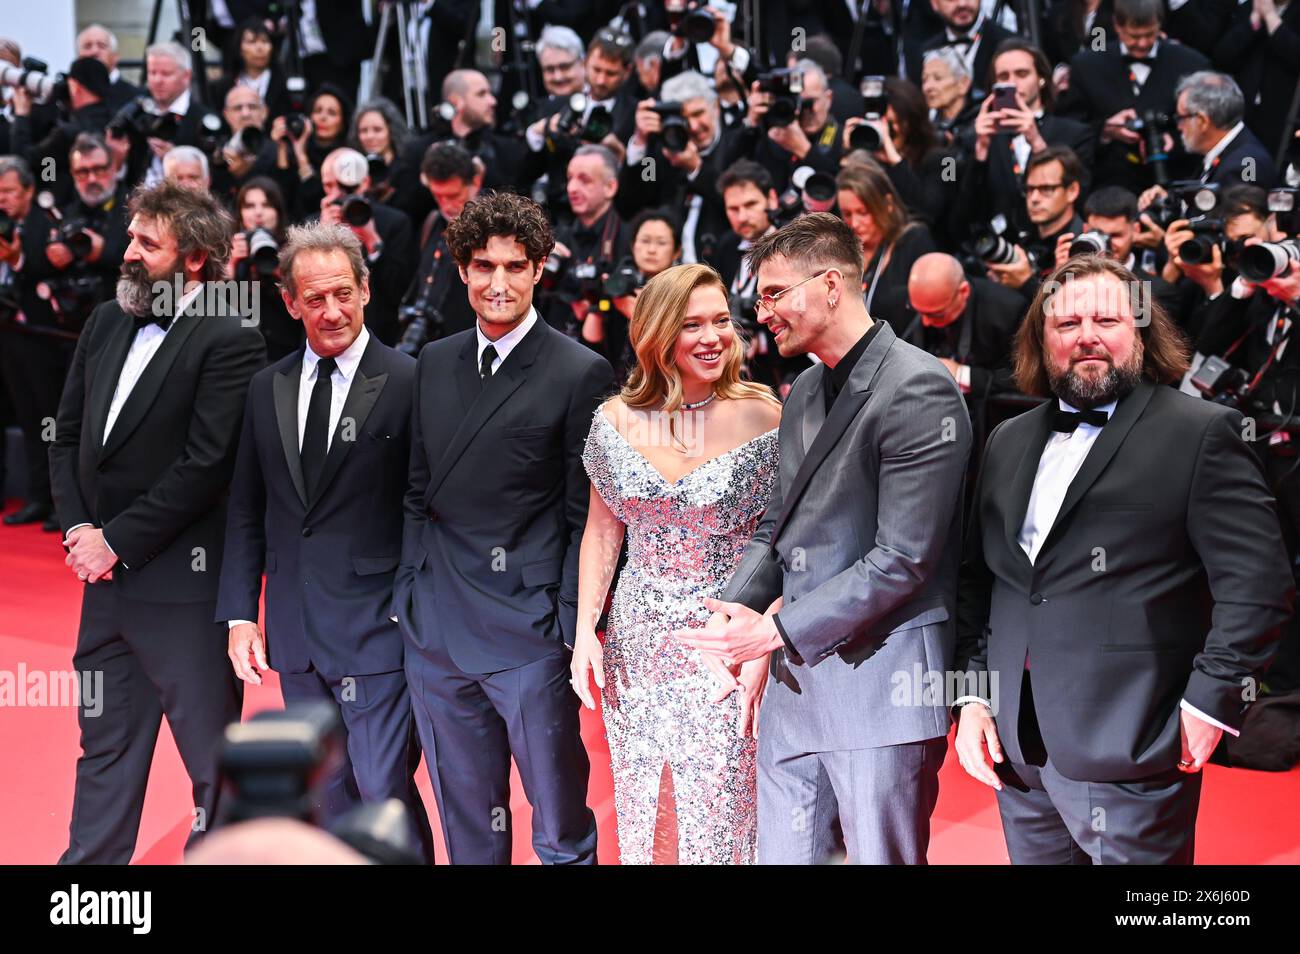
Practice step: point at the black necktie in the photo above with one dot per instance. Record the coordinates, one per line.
(485, 364)
(315, 436)
(1067, 421)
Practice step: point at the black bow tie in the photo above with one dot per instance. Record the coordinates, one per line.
(961, 41)
(1130, 59)
(149, 318)
(1067, 421)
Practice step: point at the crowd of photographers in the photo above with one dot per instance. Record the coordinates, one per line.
(968, 160)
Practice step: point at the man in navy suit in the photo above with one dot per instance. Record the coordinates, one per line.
(1211, 113)
(488, 585)
(316, 502)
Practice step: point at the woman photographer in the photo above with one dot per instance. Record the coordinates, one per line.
(259, 205)
(302, 150)
(380, 134)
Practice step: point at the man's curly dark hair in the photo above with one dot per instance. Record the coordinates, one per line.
(504, 214)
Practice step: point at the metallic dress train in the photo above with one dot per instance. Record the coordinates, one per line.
(684, 539)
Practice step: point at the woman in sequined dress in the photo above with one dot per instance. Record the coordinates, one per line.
(682, 462)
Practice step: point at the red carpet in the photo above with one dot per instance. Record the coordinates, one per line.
(1246, 817)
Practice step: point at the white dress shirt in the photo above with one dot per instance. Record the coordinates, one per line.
(340, 383)
(1061, 460)
(506, 343)
(1141, 71)
(1211, 157)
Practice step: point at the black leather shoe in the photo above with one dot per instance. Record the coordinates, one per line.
(28, 513)
(51, 524)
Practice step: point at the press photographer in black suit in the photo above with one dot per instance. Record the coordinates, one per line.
(1123, 583)
(143, 453)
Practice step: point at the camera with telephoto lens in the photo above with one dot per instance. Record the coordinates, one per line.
(1090, 243)
(674, 134)
(1184, 199)
(421, 323)
(1220, 381)
(1286, 211)
(34, 76)
(247, 142)
(689, 20)
(277, 764)
(623, 279)
(295, 117)
(994, 248)
(1259, 263)
(786, 87)
(598, 124)
(1153, 125)
(810, 191)
(135, 122)
(72, 295)
(72, 233)
(1207, 235)
(867, 136)
(263, 251)
(350, 171)
(744, 312)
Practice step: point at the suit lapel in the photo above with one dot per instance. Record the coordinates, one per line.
(843, 412)
(813, 413)
(362, 395)
(151, 381)
(107, 375)
(507, 379)
(285, 392)
(1022, 480)
(468, 382)
(1103, 449)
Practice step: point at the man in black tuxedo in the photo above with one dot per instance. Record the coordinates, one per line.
(385, 235)
(1211, 113)
(1262, 52)
(487, 590)
(966, 27)
(316, 502)
(144, 448)
(1123, 82)
(1122, 588)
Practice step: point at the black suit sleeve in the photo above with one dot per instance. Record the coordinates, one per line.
(64, 481)
(417, 485)
(200, 475)
(1233, 525)
(245, 550)
(596, 385)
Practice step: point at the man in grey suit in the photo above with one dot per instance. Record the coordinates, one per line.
(862, 541)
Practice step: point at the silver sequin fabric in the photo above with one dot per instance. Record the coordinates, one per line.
(684, 540)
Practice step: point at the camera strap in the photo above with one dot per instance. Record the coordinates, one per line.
(1273, 353)
(882, 263)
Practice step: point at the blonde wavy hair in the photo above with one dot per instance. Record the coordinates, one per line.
(655, 383)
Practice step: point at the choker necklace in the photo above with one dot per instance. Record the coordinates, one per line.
(698, 404)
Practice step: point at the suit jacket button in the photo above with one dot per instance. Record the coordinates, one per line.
(306, 531)
(1036, 598)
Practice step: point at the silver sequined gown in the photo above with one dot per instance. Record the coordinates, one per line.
(684, 539)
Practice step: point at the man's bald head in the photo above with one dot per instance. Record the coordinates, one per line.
(937, 288)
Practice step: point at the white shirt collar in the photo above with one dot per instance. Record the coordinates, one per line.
(180, 106)
(348, 361)
(1155, 48)
(1221, 145)
(506, 343)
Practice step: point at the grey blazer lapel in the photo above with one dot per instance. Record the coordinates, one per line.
(813, 413)
(285, 388)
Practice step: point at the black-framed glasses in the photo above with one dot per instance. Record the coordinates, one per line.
(559, 67)
(85, 172)
(768, 302)
(1046, 188)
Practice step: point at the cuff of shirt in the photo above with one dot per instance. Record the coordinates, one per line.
(962, 700)
(635, 152)
(963, 377)
(232, 623)
(536, 139)
(1242, 288)
(785, 638)
(1204, 718)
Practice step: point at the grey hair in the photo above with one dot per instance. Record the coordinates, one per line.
(19, 167)
(187, 154)
(651, 49)
(1215, 94)
(319, 238)
(112, 37)
(563, 39)
(687, 86)
(807, 66)
(174, 52)
(606, 155)
(398, 132)
(949, 56)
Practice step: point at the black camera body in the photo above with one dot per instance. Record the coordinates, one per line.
(689, 20)
(1220, 381)
(135, 122)
(786, 87)
(1090, 243)
(674, 134)
(598, 124)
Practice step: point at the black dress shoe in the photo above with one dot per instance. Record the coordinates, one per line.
(28, 513)
(51, 524)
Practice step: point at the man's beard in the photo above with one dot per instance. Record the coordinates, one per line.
(94, 196)
(1087, 393)
(135, 293)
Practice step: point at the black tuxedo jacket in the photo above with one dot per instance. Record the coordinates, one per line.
(157, 486)
(1163, 579)
(497, 498)
(1100, 88)
(1266, 65)
(1245, 160)
(330, 559)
